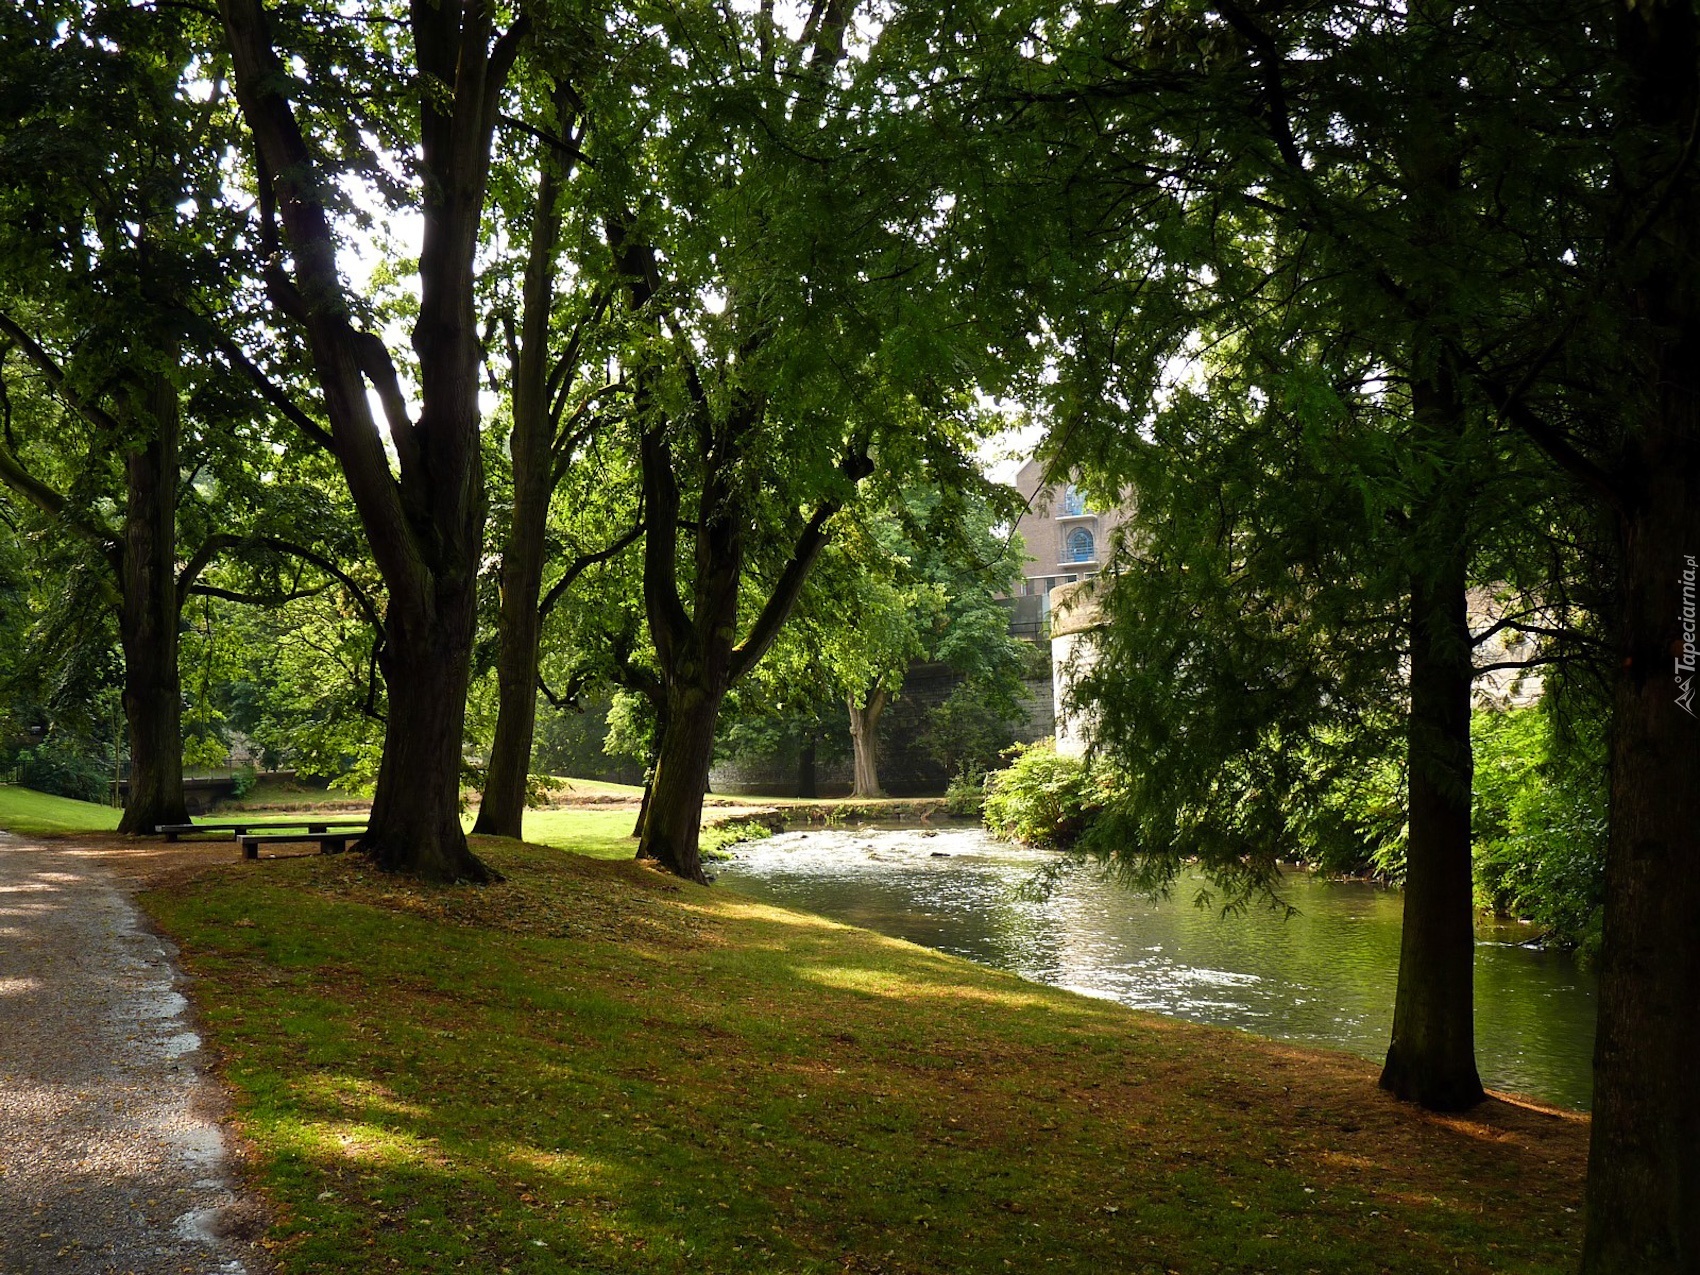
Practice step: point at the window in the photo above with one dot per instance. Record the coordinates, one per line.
(1079, 546)
(1074, 505)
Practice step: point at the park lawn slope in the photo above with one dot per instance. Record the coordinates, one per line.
(28, 813)
(593, 1068)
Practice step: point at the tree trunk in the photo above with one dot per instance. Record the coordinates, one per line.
(643, 806)
(1432, 1058)
(806, 785)
(501, 806)
(424, 518)
(415, 824)
(153, 692)
(673, 822)
(501, 811)
(1643, 1209)
(864, 742)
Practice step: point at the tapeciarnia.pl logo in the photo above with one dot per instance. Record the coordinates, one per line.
(1686, 658)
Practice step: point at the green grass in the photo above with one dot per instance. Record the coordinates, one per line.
(593, 1069)
(601, 834)
(36, 814)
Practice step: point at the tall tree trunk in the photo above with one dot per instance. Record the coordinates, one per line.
(153, 691)
(1643, 1208)
(864, 743)
(672, 825)
(501, 811)
(1643, 1211)
(425, 524)
(1432, 1058)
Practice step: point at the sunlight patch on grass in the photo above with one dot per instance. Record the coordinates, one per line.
(355, 1094)
(887, 983)
(361, 1141)
(753, 911)
(565, 1167)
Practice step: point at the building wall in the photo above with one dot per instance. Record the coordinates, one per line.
(1057, 517)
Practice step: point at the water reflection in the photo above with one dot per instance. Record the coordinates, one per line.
(1322, 977)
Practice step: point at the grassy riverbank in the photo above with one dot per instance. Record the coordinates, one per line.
(593, 1068)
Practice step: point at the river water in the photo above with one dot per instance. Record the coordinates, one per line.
(1324, 976)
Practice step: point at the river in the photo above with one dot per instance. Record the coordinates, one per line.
(1324, 976)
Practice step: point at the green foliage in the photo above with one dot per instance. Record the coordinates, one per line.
(65, 768)
(966, 795)
(1540, 822)
(1042, 798)
(969, 731)
(719, 837)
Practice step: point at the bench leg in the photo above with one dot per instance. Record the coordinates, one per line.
(332, 845)
(250, 849)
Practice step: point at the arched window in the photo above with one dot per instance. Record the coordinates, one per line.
(1080, 546)
(1074, 504)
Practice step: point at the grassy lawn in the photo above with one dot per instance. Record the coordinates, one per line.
(35, 814)
(591, 1068)
(601, 834)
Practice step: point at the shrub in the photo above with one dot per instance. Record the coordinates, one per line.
(58, 766)
(966, 795)
(1042, 798)
(1540, 823)
(717, 839)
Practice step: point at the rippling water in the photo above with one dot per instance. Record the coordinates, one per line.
(1323, 977)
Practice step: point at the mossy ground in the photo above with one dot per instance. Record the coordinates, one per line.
(593, 1068)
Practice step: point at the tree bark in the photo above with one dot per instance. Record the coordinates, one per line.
(411, 828)
(864, 743)
(153, 691)
(1643, 1208)
(501, 811)
(672, 824)
(1431, 1059)
(1643, 1205)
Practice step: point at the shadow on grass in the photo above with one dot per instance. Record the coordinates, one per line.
(593, 1068)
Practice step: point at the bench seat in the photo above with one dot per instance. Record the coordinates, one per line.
(172, 831)
(329, 842)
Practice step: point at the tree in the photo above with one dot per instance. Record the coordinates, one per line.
(129, 434)
(786, 330)
(424, 523)
(921, 579)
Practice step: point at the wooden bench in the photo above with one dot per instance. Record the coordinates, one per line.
(329, 842)
(312, 826)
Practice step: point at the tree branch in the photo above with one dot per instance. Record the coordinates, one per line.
(580, 565)
(783, 599)
(55, 377)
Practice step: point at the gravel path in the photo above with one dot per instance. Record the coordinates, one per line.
(112, 1157)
